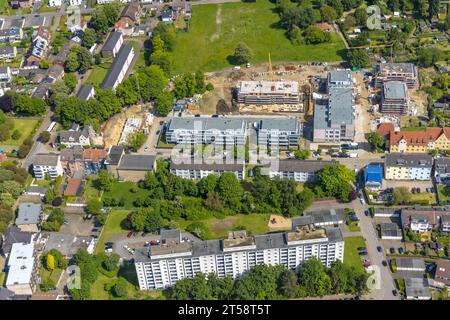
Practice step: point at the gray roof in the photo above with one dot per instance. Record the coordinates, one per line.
(398, 67)
(205, 166)
(6, 50)
(72, 154)
(341, 105)
(67, 244)
(170, 234)
(410, 263)
(408, 160)
(6, 294)
(301, 221)
(66, 136)
(84, 92)
(36, 189)
(117, 65)
(11, 32)
(442, 165)
(137, 162)
(270, 240)
(29, 213)
(390, 230)
(48, 159)
(303, 165)
(339, 75)
(395, 90)
(206, 123)
(115, 154)
(14, 235)
(290, 124)
(112, 40)
(334, 234)
(207, 247)
(417, 287)
(332, 215)
(4, 70)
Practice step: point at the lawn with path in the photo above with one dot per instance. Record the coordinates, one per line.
(128, 191)
(351, 256)
(98, 74)
(215, 30)
(113, 226)
(25, 127)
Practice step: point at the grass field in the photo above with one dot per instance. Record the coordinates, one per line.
(419, 197)
(351, 256)
(123, 190)
(53, 275)
(98, 74)
(442, 197)
(112, 227)
(215, 31)
(25, 126)
(90, 192)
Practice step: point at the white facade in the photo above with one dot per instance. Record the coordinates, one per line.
(195, 174)
(163, 271)
(21, 269)
(5, 74)
(296, 176)
(76, 2)
(420, 225)
(40, 170)
(54, 3)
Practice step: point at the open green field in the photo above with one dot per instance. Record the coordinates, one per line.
(124, 190)
(351, 256)
(112, 227)
(421, 197)
(215, 30)
(98, 74)
(90, 192)
(25, 126)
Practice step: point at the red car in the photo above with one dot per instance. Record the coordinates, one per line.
(152, 242)
(129, 234)
(367, 264)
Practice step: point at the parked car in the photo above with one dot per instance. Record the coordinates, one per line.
(366, 264)
(392, 250)
(66, 222)
(384, 263)
(185, 239)
(129, 234)
(363, 253)
(152, 242)
(379, 249)
(362, 249)
(367, 213)
(394, 292)
(400, 250)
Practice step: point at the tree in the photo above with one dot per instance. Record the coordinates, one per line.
(43, 64)
(70, 80)
(78, 59)
(164, 103)
(89, 37)
(12, 187)
(433, 8)
(128, 91)
(28, 106)
(230, 190)
(44, 136)
(50, 262)
(16, 135)
(401, 195)
(111, 263)
(335, 181)
(200, 86)
(361, 16)
(328, 13)
(104, 180)
(357, 58)
(376, 141)
(312, 277)
(154, 222)
(152, 81)
(207, 184)
(314, 35)
(242, 53)
(302, 154)
(349, 22)
(84, 293)
(426, 57)
(162, 59)
(94, 206)
(120, 288)
(136, 140)
(299, 16)
(288, 284)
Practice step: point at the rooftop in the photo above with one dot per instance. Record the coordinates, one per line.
(408, 160)
(287, 124)
(14, 235)
(417, 287)
(112, 40)
(292, 165)
(442, 272)
(29, 213)
(191, 165)
(390, 230)
(137, 162)
(67, 244)
(339, 76)
(395, 90)
(332, 215)
(410, 263)
(268, 87)
(20, 263)
(395, 68)
(48, 159)
(84, 92)
(419, 138)
(117, 65)
(115, 154)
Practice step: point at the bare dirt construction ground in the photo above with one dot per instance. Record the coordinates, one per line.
(113, 127)
(279, 223)
(224, 81)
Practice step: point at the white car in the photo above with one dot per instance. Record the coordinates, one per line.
(363, 202)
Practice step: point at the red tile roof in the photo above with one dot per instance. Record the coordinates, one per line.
(418, 138)
(324, 26)
(385, 128)
(94, 155)
(73, 187)
(443, 271)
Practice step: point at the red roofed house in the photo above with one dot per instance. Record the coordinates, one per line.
(129, 18)
(324, 26)
(74, 188)
(442, 274)
(419, 141)
(94, 155)
(385, 128)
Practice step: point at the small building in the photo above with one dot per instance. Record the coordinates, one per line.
(180, 105)
(167, 16)
(8, 52)
(323, 218)
(115, 153)
(129, 18)
(49, 163)
(425, 219)
(417, 289)
(71, 138)
(119, 67)
(36, 191)
(74, 188)
(403, 72)
(67, 244)
(112, 45)
(394, 98)
(16, 4)
(324, 26)
(134, 167)
(86, 92)
(36, 21)
(407, 264)
(22, 265)
(11, 35)
(442, 169)
(381, 212)
(14, 235)
(412, 166)
(5, 74)
(373, 176)
(442, 273)
(390, 231)
(29, 216)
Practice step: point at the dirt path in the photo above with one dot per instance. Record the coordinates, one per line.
(218, 23)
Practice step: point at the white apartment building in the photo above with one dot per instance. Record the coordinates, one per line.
(22, 269)
(112, 44)
(119, 67)
(189, 169)
(49, 163)
(412, 166)
(297, 170)
(163, 265)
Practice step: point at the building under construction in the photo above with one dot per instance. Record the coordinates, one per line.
(394, 98)
(276, 95)
(403, 72)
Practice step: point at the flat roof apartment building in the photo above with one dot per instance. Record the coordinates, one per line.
(403, 72)
(394, 98)
(22, 267)
(298, 170)
(411, 166)
(334, 113)
(189, 169)
(162, 265)
(49, 163)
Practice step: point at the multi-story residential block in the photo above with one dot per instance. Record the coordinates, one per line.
(22, 265)
(334, 113)
(8, 52)
(403, 72)
(112, 44)
(442, 169)
(419, 141)
(394, 98)
(162, 265)
(11, 35)
(279, 132)
(5, 74)
(425, 219)
(49, 163)
(189, 169)
(412, 166)
(119, 67)
(71, 138)
(298, 170)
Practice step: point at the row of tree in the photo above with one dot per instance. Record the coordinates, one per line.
(264, 282)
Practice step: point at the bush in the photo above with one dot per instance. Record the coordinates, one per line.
(393, 265)
(209, 87)
(120, 288)
(57, 202)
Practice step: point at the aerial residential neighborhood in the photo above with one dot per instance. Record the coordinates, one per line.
(224, 150)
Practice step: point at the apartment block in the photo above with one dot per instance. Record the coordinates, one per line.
(394, 98)
(419, 141)
(162, 265)
(412, 166)
(403, 72)
(298, 170)
(189, 169)
(49, 163)
(22, 265)
(268, 92)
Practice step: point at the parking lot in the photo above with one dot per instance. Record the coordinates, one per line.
(78, 226)
(423, 185)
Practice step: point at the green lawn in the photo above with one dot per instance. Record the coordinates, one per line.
(442, 196)
(353, 226)
(351, 256)
(123, 190)
(45, 8)
(54, 275)
(112, 227)
(98, 73)
(215, 30)
(430, 197)
(90, 192)
(25, 126)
